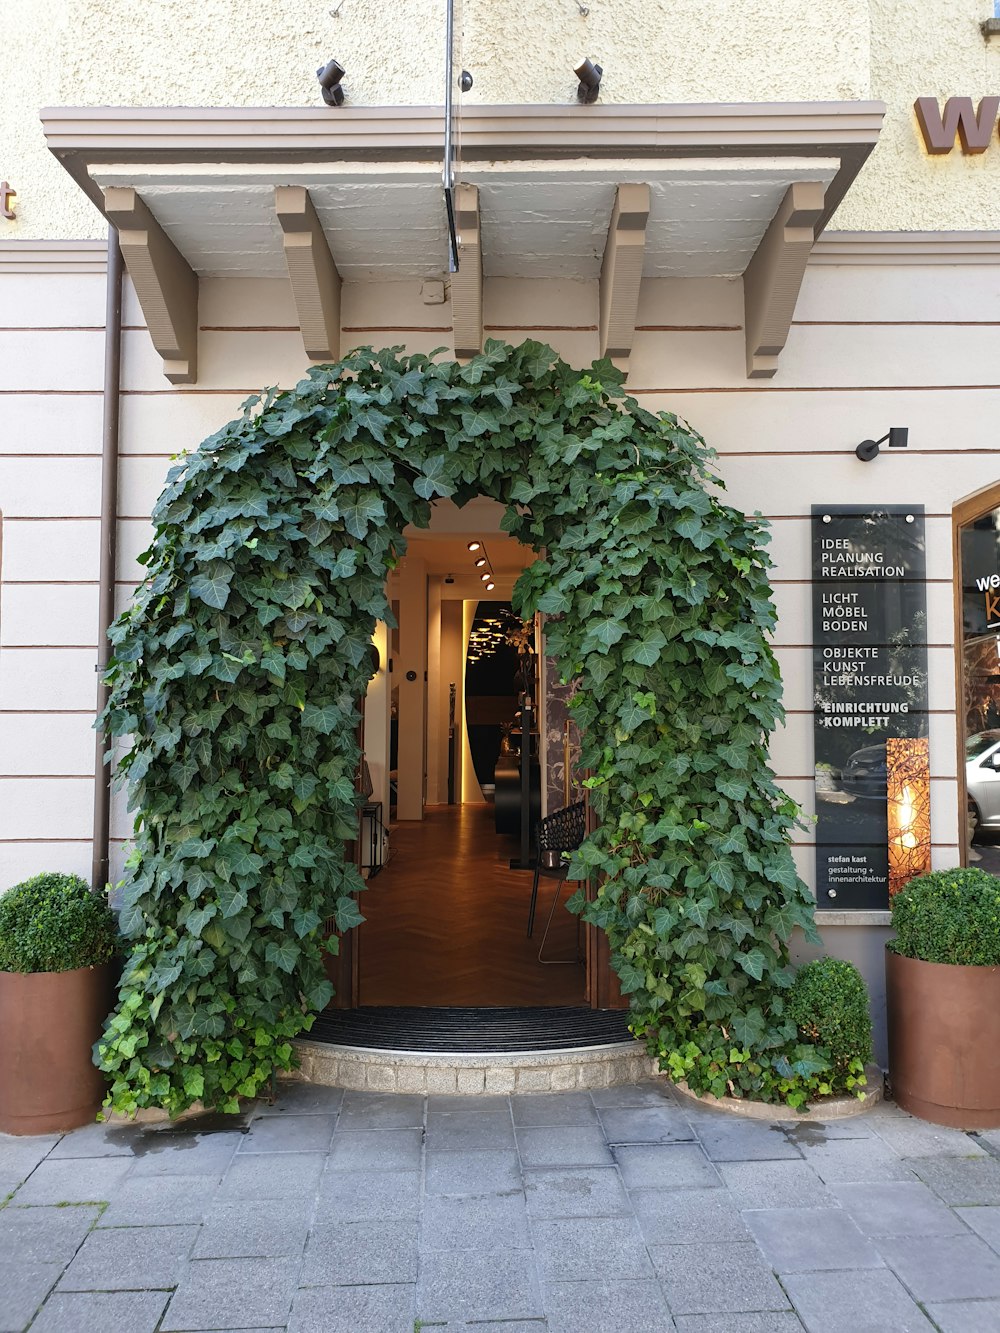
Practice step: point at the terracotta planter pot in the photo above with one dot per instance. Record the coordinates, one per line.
(48, 1023)
(944, 1034)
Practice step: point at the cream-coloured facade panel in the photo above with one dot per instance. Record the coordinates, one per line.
(40, 423)
(238, 362)
(49, 744)
(66, 300)
(936, 293)
(48, 487)
(47, 359)
(170, 423)
(46, 615)
(54, 551)
(39, 680)
(20, 860)
(46, 808)
(526, 304)
(134, 537)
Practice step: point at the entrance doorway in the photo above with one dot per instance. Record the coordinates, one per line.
(446, 914)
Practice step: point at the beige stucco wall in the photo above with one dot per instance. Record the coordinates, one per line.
(253, 53)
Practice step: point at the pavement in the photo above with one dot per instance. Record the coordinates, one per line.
(622, 1210)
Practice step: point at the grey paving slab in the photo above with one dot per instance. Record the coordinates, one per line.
(726, 1139)
(959, 1180)
(666, 1166)
(822, 1131)
(23, 1287)
(491, 1326)
(302, 1098)
(855, 1161)
(233, 1293)
(75, 1181)
(160, 1201)
(19, 1156)
(568, 1108)
(360, 1253)
(646, 1124)
(584, 1191)
(563, 1145)
(234, 1231)
(899, 1208)
(943, 1268)
(472, 1172)
(445, 1101)
(909, 1137)
(797, 1240)
(688, 1217)
(44, 1234)
(130, 1259)
(382, 1308)
(774, 1321)
(453, 1131)
(774, 1185)
(289, 1133)
(481, 1285)
(272, 1176)
(710, 1279)
(654, 1092)
(182, 1153)
(98, 1140)
(379, 1149)
(376, 1110)
(577, 1249)
(966, 1316)
(471, 1222)
(874, 1301)
(100, 1312)
(365, 1196)
(606, 1307)
(984, 1221)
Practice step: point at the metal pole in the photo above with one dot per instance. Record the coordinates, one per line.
(109, 545)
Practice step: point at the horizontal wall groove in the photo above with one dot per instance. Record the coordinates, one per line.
(689, 328)
(539, 328)
(824, 388)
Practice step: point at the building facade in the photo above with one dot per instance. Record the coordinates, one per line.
(757, 218)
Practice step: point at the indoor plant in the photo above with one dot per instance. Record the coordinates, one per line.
(57, 943)
(943, 996)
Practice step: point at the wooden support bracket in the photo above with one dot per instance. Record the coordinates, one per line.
(467, 283)
(164, 282)
(621, 273)
(311, 271)
(773, 277)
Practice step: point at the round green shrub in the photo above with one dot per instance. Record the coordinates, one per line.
(828, 1002)
(54, 923)
(950, 916)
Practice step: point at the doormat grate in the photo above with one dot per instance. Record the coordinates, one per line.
(471, 1031)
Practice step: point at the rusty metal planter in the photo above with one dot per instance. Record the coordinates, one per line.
(49, 1022)
(944, 1035)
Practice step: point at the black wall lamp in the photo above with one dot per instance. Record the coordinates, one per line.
(589, 75)
(897, 437)
(329, 82)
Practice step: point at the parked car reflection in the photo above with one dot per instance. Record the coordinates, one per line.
(982, 778)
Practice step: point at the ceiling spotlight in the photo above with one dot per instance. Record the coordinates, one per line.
(485, 578)
(474, 546)
(898, 438)
(329, 83)
(490, 586)
(449, 578)
(589, 75)
(480, 562)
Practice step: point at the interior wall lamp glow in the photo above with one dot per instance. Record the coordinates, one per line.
(329, 76)
(589, 75)
(897, 437)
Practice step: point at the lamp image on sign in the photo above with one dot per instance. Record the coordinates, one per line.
(870, 703)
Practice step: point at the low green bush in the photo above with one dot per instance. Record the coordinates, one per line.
(950, 916)
(828, 1002)
(54, 923)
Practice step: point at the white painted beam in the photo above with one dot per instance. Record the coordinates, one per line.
(773, 277)
(621, 272)
(467, 283)
(165, 284)
(311, 271)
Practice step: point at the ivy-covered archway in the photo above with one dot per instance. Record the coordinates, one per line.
(239, 669)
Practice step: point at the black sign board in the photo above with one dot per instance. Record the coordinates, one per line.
(870, 702)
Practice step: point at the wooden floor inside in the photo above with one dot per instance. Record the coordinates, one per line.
(446, 921)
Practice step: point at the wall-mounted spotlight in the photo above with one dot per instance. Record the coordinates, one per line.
(329, 83)
(897, 437)
(589, 75)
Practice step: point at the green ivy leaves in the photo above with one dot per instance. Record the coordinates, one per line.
(239, 668)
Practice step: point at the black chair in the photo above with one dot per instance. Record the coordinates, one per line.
(562, 831)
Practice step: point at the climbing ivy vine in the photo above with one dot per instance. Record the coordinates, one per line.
(239, 668)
